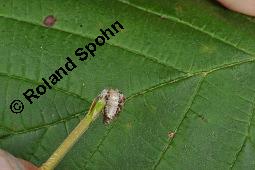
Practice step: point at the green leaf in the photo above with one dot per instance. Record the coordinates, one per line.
(185, 66)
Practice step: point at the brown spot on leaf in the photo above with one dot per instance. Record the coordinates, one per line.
(49, 21)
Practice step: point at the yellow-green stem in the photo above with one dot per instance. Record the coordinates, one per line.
(94, 111)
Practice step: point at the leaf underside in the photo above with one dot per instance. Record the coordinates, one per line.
(185, 67)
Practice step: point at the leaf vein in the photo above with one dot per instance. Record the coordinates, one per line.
(38, 144)
(178, 20)
(245, 138)
(165, 149)
(47, 125)
(99, 144)
(136, 52)
(37, 83)
(142, 92)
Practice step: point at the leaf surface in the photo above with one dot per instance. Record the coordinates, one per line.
(185, 66)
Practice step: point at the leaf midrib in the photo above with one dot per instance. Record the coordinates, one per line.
(142, 92)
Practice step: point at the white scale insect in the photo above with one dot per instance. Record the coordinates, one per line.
(110, 101)
(114, 103)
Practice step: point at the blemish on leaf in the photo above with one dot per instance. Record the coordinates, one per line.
(203, 118)
(163, 17)
(171, 134)
(204, 74)
(49, 21)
